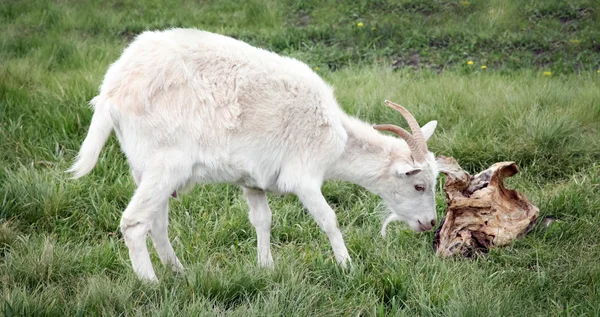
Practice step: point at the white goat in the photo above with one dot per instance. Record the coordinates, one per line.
(190, 106)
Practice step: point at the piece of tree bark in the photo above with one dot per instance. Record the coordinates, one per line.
(480, 212)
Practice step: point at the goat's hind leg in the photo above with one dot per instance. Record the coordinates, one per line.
(159, 233)
(150, 199)
(160, 239)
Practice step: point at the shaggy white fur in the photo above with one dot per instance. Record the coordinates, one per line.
(190, 107)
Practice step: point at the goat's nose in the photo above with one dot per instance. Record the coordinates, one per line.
(426, 226)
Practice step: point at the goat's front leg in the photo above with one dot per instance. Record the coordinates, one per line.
(317, 206)
(260, 217)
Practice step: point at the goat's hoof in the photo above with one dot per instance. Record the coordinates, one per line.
(345, 263)
(266, 263)
(177, 268)
(150, 280)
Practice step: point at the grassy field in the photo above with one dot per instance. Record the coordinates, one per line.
(537, 102)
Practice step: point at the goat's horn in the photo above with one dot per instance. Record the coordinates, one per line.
(419, 149)
(410, 140)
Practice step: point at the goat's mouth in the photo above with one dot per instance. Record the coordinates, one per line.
(424, 226)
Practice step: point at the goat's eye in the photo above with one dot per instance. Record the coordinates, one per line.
(420, 188)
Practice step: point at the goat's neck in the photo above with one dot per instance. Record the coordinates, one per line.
(367, 156)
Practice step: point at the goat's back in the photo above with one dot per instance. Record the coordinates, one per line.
(222, 100)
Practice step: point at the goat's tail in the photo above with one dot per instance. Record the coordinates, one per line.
(98, 133)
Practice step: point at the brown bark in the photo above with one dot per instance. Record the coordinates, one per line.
(480, 212)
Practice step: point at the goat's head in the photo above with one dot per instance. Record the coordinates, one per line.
(409, 189)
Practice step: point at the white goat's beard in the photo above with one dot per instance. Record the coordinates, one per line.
(390, 218)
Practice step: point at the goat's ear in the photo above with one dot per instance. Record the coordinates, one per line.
(405, 170)
(428, 129)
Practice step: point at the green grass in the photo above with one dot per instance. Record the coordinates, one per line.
(60, 249)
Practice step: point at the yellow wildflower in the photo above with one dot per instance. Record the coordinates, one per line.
(465, 3)
(483, 67)
(548, 73)
(470, 62)
(360, 24)
(317, 68)
(575, 41)
(373, 28)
